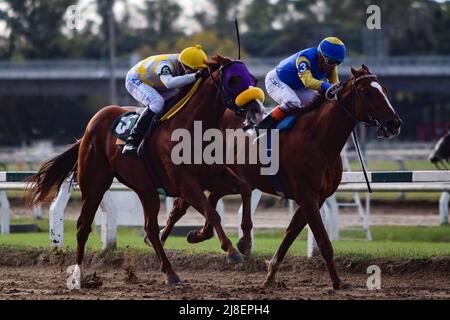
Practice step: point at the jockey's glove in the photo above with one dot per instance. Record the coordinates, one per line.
(202, 73)
(332, 92)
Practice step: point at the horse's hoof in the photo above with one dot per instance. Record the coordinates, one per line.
(147, 242)
(173, 280)
(193, 237)
(337, 285)
(244, 247)
(269, 283)
(234, 258)
(345, 286)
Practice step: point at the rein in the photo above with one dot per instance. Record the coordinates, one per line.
(227, 99)
(180, 104)
(371, 122)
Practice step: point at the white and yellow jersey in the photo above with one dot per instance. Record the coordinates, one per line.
(152, 68)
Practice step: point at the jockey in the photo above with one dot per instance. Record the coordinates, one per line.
(296, 80)
(155, 80)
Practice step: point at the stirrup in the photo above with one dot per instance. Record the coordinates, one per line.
(268, 123)
(130, 149)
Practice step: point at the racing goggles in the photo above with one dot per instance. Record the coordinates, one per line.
(330, 61)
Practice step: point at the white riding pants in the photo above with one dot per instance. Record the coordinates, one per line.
(288, 98)
(147, 95)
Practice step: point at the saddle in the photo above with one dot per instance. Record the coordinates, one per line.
(123, 125)
(287, 123)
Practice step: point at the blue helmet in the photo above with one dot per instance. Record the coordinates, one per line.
(333, 50)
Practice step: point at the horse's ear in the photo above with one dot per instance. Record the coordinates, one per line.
(354, 71)
(211, 62)
(220, 59)
(365, 68)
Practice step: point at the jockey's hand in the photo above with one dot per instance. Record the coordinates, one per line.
(202, 73)
(332, 92)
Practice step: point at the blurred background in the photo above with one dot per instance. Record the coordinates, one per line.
(58, 57)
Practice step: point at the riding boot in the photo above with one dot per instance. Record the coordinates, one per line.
(138, 132)
(272, 119)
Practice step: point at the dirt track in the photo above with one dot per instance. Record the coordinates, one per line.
(131, 276)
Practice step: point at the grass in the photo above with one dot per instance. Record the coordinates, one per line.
(388, 241)
(410, 165)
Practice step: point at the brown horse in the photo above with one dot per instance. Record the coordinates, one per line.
(310, 162)
(97, 160)
(440, 155)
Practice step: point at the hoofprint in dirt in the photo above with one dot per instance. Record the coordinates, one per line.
(42, 275)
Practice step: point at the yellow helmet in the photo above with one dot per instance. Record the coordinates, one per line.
(193, 57)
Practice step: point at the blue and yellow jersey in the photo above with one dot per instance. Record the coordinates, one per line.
(301, 70)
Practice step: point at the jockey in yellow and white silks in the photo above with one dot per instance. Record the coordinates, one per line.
(156, 79)
(299, 78)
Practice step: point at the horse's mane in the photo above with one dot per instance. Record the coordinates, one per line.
(320, 101)
(216, 61)
(317, 103)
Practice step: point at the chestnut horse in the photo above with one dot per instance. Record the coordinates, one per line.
(96, 160)
(310, 162)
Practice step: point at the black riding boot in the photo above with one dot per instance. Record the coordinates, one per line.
(138, 132)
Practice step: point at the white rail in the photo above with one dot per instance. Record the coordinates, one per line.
(412, 181)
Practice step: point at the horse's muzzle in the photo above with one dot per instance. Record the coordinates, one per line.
(254, 112)
(390, 128)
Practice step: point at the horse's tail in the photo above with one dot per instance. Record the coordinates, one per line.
(45, 184)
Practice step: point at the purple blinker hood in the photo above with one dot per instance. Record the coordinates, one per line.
(238, 70)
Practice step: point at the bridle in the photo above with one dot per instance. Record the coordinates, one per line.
(226, 97)
(371, 121)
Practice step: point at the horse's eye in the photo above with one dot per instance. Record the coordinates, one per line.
(234, 82)
(367, 93)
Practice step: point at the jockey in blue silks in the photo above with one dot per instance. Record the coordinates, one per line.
(299, 78)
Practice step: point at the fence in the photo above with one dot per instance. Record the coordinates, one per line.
(423, 181)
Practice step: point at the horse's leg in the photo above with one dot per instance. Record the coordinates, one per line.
(296, 225)
(311, 211)
(94, 178)
(150, 203)
(179, 209)
(229, 184)
(193, 193)
(207, 231)
(245, 243)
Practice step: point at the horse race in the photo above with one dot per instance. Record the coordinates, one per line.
(241, 150)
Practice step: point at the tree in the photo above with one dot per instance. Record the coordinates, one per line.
(210, 42)
(259, 16)
(221, 18)
(34, 28)
(161, 16)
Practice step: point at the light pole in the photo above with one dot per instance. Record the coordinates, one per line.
(112, 54)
